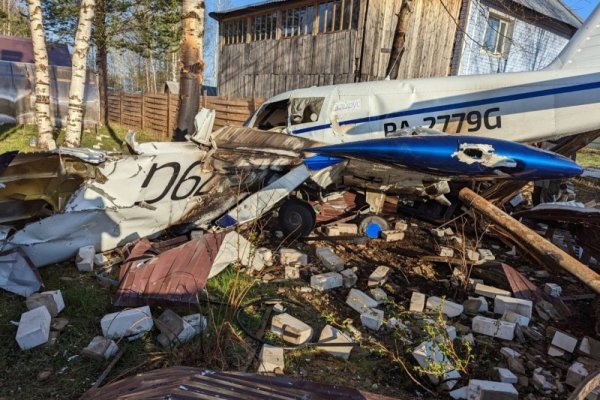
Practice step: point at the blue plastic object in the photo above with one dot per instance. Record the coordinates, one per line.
(373, 230)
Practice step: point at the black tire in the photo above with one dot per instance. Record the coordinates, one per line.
(368, 223)
(296, 218)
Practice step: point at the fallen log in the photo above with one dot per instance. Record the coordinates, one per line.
(539, 247)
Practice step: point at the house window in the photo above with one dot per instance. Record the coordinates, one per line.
(496, 35)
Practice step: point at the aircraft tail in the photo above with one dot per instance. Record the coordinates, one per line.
(583, 50)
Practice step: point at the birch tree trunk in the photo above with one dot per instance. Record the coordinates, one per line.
(78, 74)
(192, 68)
(45, 139)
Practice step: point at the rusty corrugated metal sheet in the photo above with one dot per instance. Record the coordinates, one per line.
(192, 383)
(174, 276)
(335, 208)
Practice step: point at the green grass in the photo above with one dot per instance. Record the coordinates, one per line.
(589, 158)
(111, 137)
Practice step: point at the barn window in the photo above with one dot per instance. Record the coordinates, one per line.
(497, 34)
(234, 31)
(297, 21)
(338, 15)
(265, 27)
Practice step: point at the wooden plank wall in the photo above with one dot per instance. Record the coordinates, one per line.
(269, 67)
(430, 39)
(157, 112)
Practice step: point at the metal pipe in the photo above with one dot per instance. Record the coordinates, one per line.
(540, 247)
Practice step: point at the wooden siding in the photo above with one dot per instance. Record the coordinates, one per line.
(158, 112)
(269, 67)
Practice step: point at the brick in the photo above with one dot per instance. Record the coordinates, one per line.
(552, 289)
(197, 321)
(482, 390)
(575, 374)
(372, 318)
(132, 322)
(266, 255)
(506, 376)
(590, 347)
(329, 334)
(174, 329)
(555, 351)
(100, 260)
(291, 329)
(292, 271)
(271, 360)
(490, 291)
(327, 281)
(400, 226)
(446, 252)
(378, 294)
(459, 394)
(486, 255)
(329, 259)
(392, 236)
(493, 327)
(448, 308)
(564, 341)
(519, 306)
(483, 304)
(52, 300)
(417, 302)
(426, 354)
(349, 277)
(292, 256)
(341, 230)
(85, 259)
(379, 276)
(360, 301)
(100, 348)
(511, 316)
(34, 328)
(509, 353)
(472, 255)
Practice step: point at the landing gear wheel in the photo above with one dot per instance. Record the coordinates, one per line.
(296, 218)
(372, 226)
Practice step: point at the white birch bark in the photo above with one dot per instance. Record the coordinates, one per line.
(43, 118)
(78, 74)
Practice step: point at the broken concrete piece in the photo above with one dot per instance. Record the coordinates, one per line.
(100, 260)
(349, 277)
(271, 360)
(52, 300)
(493, 327)
(266, 255)
(329, 334)
(400, 226)
(428, 353)
(292, 256)
(575, 374)
(101, 348)
(482, 390)
(292, 271)
(506, 376)
(174, 329)
(490, 291)
(511, 316)
(197, 321)
(472, 255)
(509, 353)
(360, 301)
(564, 341)
(437, 232)
(379, 276)
(378, 294)
(448, 308)
(329, 259)
(417, 302)
(590, 347)
(486, 255)
(392, 236)
(341, 230)
(327, 281)
(372, 318)
(552, 289)
(34, 328)
(291, 329)
(520, 306)
(85, 259)
(125, 323)
(446, 252)
(555, 351)
(483, 304)
(459, 394)
(58, 324)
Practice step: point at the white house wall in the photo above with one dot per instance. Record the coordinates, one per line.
(532, 47)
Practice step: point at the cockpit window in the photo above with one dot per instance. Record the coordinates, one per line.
(272, 115)
(305, 110)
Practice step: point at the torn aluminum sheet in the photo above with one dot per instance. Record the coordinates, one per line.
(17, 273)
(235, 248)
(257, 204)
(174, 276)
(484, 154)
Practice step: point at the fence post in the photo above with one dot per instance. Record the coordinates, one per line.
(143, 113)
(121, 95)
(168, 132)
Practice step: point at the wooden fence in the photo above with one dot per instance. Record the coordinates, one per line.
(157, 112)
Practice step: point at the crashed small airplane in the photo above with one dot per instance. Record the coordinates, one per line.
(299, 146)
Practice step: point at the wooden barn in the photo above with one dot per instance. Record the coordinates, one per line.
(278, 45)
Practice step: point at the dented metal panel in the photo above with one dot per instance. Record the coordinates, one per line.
(17, 273)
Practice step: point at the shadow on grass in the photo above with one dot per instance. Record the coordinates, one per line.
(114, 135)
(8, 130)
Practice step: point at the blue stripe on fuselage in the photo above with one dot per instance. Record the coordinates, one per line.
(464, 104)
